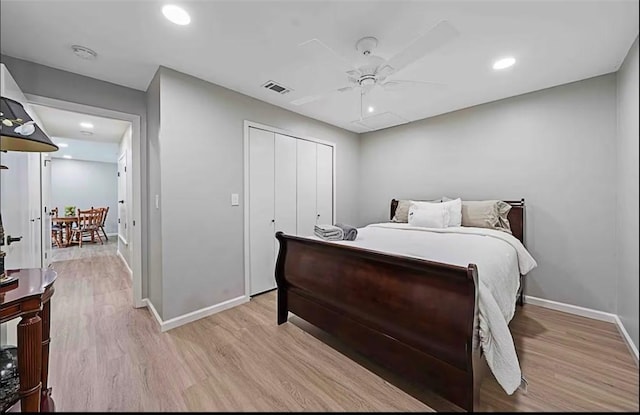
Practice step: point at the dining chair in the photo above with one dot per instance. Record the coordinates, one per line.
(88, 224)
(104, 211)
(56, 229)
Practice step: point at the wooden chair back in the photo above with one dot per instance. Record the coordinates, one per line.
(89, 219)
(103, 212)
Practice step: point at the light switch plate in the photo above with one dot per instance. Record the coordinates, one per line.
(235, 199)
(157, 201)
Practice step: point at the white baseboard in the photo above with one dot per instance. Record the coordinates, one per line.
(124, 261)
(571, 309)
(589, 313)
(625, 335)
(150, 306)
(194, 315)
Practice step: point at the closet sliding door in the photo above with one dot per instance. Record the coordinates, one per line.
(289, 189)
(261, 210)
(306, 187)
(324, 184)
(285, 187)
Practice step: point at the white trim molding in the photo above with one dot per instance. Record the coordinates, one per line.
(625, 335)
(194, 315)
(588, 313)
(138, 149)
(124, 261)
(571, 309)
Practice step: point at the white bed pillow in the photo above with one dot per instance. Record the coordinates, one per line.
(453, 206)
(428, 215)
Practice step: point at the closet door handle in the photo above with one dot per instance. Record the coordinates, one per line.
(273, 221)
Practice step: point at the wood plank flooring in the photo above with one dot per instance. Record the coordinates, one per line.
(108, 356)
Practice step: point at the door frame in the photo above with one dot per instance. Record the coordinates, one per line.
(252, 124)
(136, 170)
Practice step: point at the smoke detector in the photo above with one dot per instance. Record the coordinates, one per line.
(84, 52)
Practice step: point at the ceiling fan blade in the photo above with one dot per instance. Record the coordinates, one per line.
(397, 85)
(384, 71)
(316, 52)
(312, 98)
(436, 37)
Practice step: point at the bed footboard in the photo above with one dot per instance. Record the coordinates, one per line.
(415, 317)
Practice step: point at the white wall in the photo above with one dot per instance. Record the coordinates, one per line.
(627, 174)
(201, 139)
(126, 250)
(555, 148)
(84, 184)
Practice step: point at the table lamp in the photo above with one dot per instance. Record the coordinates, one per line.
(18, 132)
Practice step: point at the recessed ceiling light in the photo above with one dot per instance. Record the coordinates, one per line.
(370, 109)
(84, 52)
(63, 145)
(504, 63)
(86, 125)
(66, 156)
(176, 14)
(86, 133)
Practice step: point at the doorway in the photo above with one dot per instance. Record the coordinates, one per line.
(127, 237)
(83, 196)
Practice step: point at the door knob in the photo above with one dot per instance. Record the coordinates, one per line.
(10, 240)
(120, 201)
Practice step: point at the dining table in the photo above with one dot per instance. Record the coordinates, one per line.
(66, 223)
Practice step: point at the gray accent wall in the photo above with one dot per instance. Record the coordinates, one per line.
(201, 153)
(555, 148)
(84, 184)
(627, 174)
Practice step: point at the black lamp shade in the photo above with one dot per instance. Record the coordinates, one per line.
(19, 132)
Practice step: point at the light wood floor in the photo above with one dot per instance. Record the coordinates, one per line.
(107, 356)
(88, 250)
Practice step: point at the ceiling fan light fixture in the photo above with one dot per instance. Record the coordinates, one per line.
(504, 63)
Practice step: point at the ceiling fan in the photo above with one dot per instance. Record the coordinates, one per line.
(377, 70)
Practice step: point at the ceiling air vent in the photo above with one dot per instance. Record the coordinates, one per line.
(277, 88)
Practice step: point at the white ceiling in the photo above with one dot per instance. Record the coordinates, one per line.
(242, 44)
(63, 127)
(61, 123)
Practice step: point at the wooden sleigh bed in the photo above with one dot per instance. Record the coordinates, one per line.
(415, 317)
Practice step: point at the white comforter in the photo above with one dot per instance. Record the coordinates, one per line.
(500, 258)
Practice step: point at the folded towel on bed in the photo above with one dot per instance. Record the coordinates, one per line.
(350, 232)
(328, 232)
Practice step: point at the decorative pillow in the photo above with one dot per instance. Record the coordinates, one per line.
(503, 216)
(502, 211)
(429, 215)
(402, 210)
(480, 213)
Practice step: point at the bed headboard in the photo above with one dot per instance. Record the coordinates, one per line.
(516, 217)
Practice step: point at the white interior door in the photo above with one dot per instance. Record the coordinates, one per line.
(324, 180)
(123, 231)
(20, 195)
(306, 187)
(261, 210)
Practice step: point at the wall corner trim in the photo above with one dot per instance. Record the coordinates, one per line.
(194, 315)
(588, 313)
(124, 261)
(625, 335)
